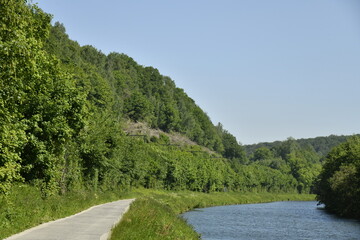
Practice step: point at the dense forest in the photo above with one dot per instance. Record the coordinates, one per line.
(64, 109)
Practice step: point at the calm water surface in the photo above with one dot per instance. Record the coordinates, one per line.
(278, 220)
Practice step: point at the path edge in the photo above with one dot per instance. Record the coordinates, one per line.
(43, 225)
(106, 236)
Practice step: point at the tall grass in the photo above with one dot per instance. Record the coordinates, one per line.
(149, 219)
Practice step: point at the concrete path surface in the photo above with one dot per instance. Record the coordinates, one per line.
(93, 223)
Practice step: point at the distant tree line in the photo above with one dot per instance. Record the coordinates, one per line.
(321, 145)
(302, 163)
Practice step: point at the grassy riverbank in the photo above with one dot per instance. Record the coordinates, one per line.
(155, 214)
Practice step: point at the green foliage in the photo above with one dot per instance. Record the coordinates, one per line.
(231, 148)
(137, 107)
(99, 148)
(168, 119)
(302, 163)
(39, 102)
(339, 182)
(58, 44)
(262, 154)
(321, 145)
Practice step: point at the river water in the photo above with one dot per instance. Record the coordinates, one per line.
(277, 220)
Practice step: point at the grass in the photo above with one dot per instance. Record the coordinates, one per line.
(154, 215)
(149, 219)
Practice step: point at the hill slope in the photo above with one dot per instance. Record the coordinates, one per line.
(64, 108)
(117, 83)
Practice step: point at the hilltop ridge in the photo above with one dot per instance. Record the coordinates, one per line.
(321, 145)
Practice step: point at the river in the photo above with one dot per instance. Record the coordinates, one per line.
(277, 220)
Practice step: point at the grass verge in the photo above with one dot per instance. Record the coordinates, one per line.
(149, 219)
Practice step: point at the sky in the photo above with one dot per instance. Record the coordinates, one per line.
(267, 70)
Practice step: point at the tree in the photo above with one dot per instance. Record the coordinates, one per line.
(339, 182)
(232, 149)
(262, 153)
(168, 119)
(137, 107)
(41, 109)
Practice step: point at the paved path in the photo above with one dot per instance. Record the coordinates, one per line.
(93, 223)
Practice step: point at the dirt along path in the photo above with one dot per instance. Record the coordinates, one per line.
(93, 223)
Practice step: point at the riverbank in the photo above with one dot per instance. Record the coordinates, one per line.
(155, 215)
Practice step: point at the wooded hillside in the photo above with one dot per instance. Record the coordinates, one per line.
(63, 107)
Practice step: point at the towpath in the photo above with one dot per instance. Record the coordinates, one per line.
(93, 223)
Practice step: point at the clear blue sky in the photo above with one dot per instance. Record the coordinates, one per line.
(266, 70)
